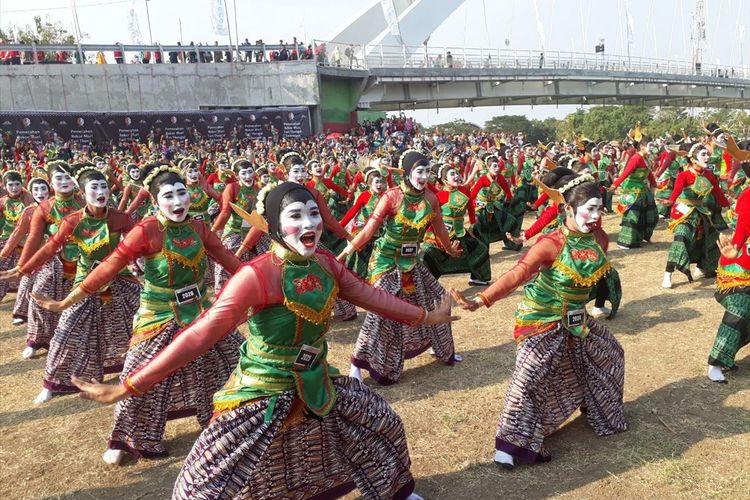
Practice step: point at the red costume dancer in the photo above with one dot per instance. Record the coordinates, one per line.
(233, 229)
(404, 212)
(55, 278)
(173, 295)
(287, 424)
(40, 192)
(92, 336)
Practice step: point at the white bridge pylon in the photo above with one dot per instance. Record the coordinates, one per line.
(397, 25)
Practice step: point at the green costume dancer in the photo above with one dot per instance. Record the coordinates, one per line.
(636, 204)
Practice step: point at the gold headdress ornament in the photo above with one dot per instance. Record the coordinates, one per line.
(159, 170)
(694, 147)
(185, 162)
(235, 162)
(83, 170)
(289, 154)
(254, 219)
(62, 164)
(676, 149)
(38, 173)
(557, 195)
(636, 133)
(738, 154)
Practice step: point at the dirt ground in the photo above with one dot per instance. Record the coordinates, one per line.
(688, 437)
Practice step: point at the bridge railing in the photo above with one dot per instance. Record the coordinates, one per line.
(390, 56)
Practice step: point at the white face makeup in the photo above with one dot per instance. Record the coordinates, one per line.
(173, 201)
(377, 184)
(721, 141)
(418, 177)
(494, 168)
(192, 174)
(246, 176)
(13, 188)
(265, 179)
(97, 193)
(224, 166)
(297, 173)
(39, 191)
(62, 183)
(316, 169)
(587, 215)
(301, 226)
(453, 178)
(702, 158)
(134, 173)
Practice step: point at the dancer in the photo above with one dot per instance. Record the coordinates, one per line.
(636, 204)
(173, 295)
(287, 424)
(358, 215)
(241, 193)
(696, 202)
(405, 212)
(92, 336)
(132, 201)
(494, 220)
(55, 278)
(455, 202)
(201, 192)
(39, 189)
(564, 360)
(11, 208)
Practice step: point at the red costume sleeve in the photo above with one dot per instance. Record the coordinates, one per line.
(256, 285)
(142, 197)
(125, 197)
(54, 244)
(683, 179)
(482, 182)
(335, 187)
(542, 254)
(361, 201)
(229, 195)
(541, 200)
(716, 190)
(470, 207)
(386, 207)
(210, 191)
(635, 161)
(214, 247)
(548, 215)
(742, 231)
(438, 226)
(506, 189)
(36, 231)
(252, 238)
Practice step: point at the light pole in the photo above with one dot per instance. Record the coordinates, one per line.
(148, 20)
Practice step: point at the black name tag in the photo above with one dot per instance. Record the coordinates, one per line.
(409, 249)
(576, 317)
(307, 357)
(187, 295)
(197, 217)
(448, 226)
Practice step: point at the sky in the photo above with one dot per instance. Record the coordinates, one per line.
(660, 29)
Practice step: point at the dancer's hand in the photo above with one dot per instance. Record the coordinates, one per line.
(455, 249)
(49, 304)
(10, 274)
(346, 252)
(240, 252)
(518, 240)
(727, 249)
(464, 303)
(442, 314)
(661, 201)
(101, 393)
(611, 189)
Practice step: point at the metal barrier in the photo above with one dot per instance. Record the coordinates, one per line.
(388, 56)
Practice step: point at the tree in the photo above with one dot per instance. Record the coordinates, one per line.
(507, 123)
(44, 31)
(613, 122)
(457, 127)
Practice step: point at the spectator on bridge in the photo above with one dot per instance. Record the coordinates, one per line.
(100, 59)
(248, 54)
(119, 59)
(308, 53)
(259, 53)
(173, 55)
(541, 60)
(146, 58)
(449, 59)
(157, 57)
(192, 56)
(284, 52)
(218, 56)
(337, 57)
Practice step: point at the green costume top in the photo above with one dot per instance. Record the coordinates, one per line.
(694, 200)
(62, 207)
(364, 213)
(95, 242)
(491, 197)
(601, 169)
(454, 213)
(176, 270)
(397, 247)
(527, 169)
(246, 200)
(560, 293)
(11, 213)
(199, 202)
(286, 347)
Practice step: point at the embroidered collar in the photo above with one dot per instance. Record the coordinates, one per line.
(287, 255)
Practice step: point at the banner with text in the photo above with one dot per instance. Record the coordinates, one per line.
(115, 128)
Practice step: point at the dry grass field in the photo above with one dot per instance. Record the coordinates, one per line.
(688, 437)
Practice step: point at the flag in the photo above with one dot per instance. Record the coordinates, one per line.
(219, 18)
